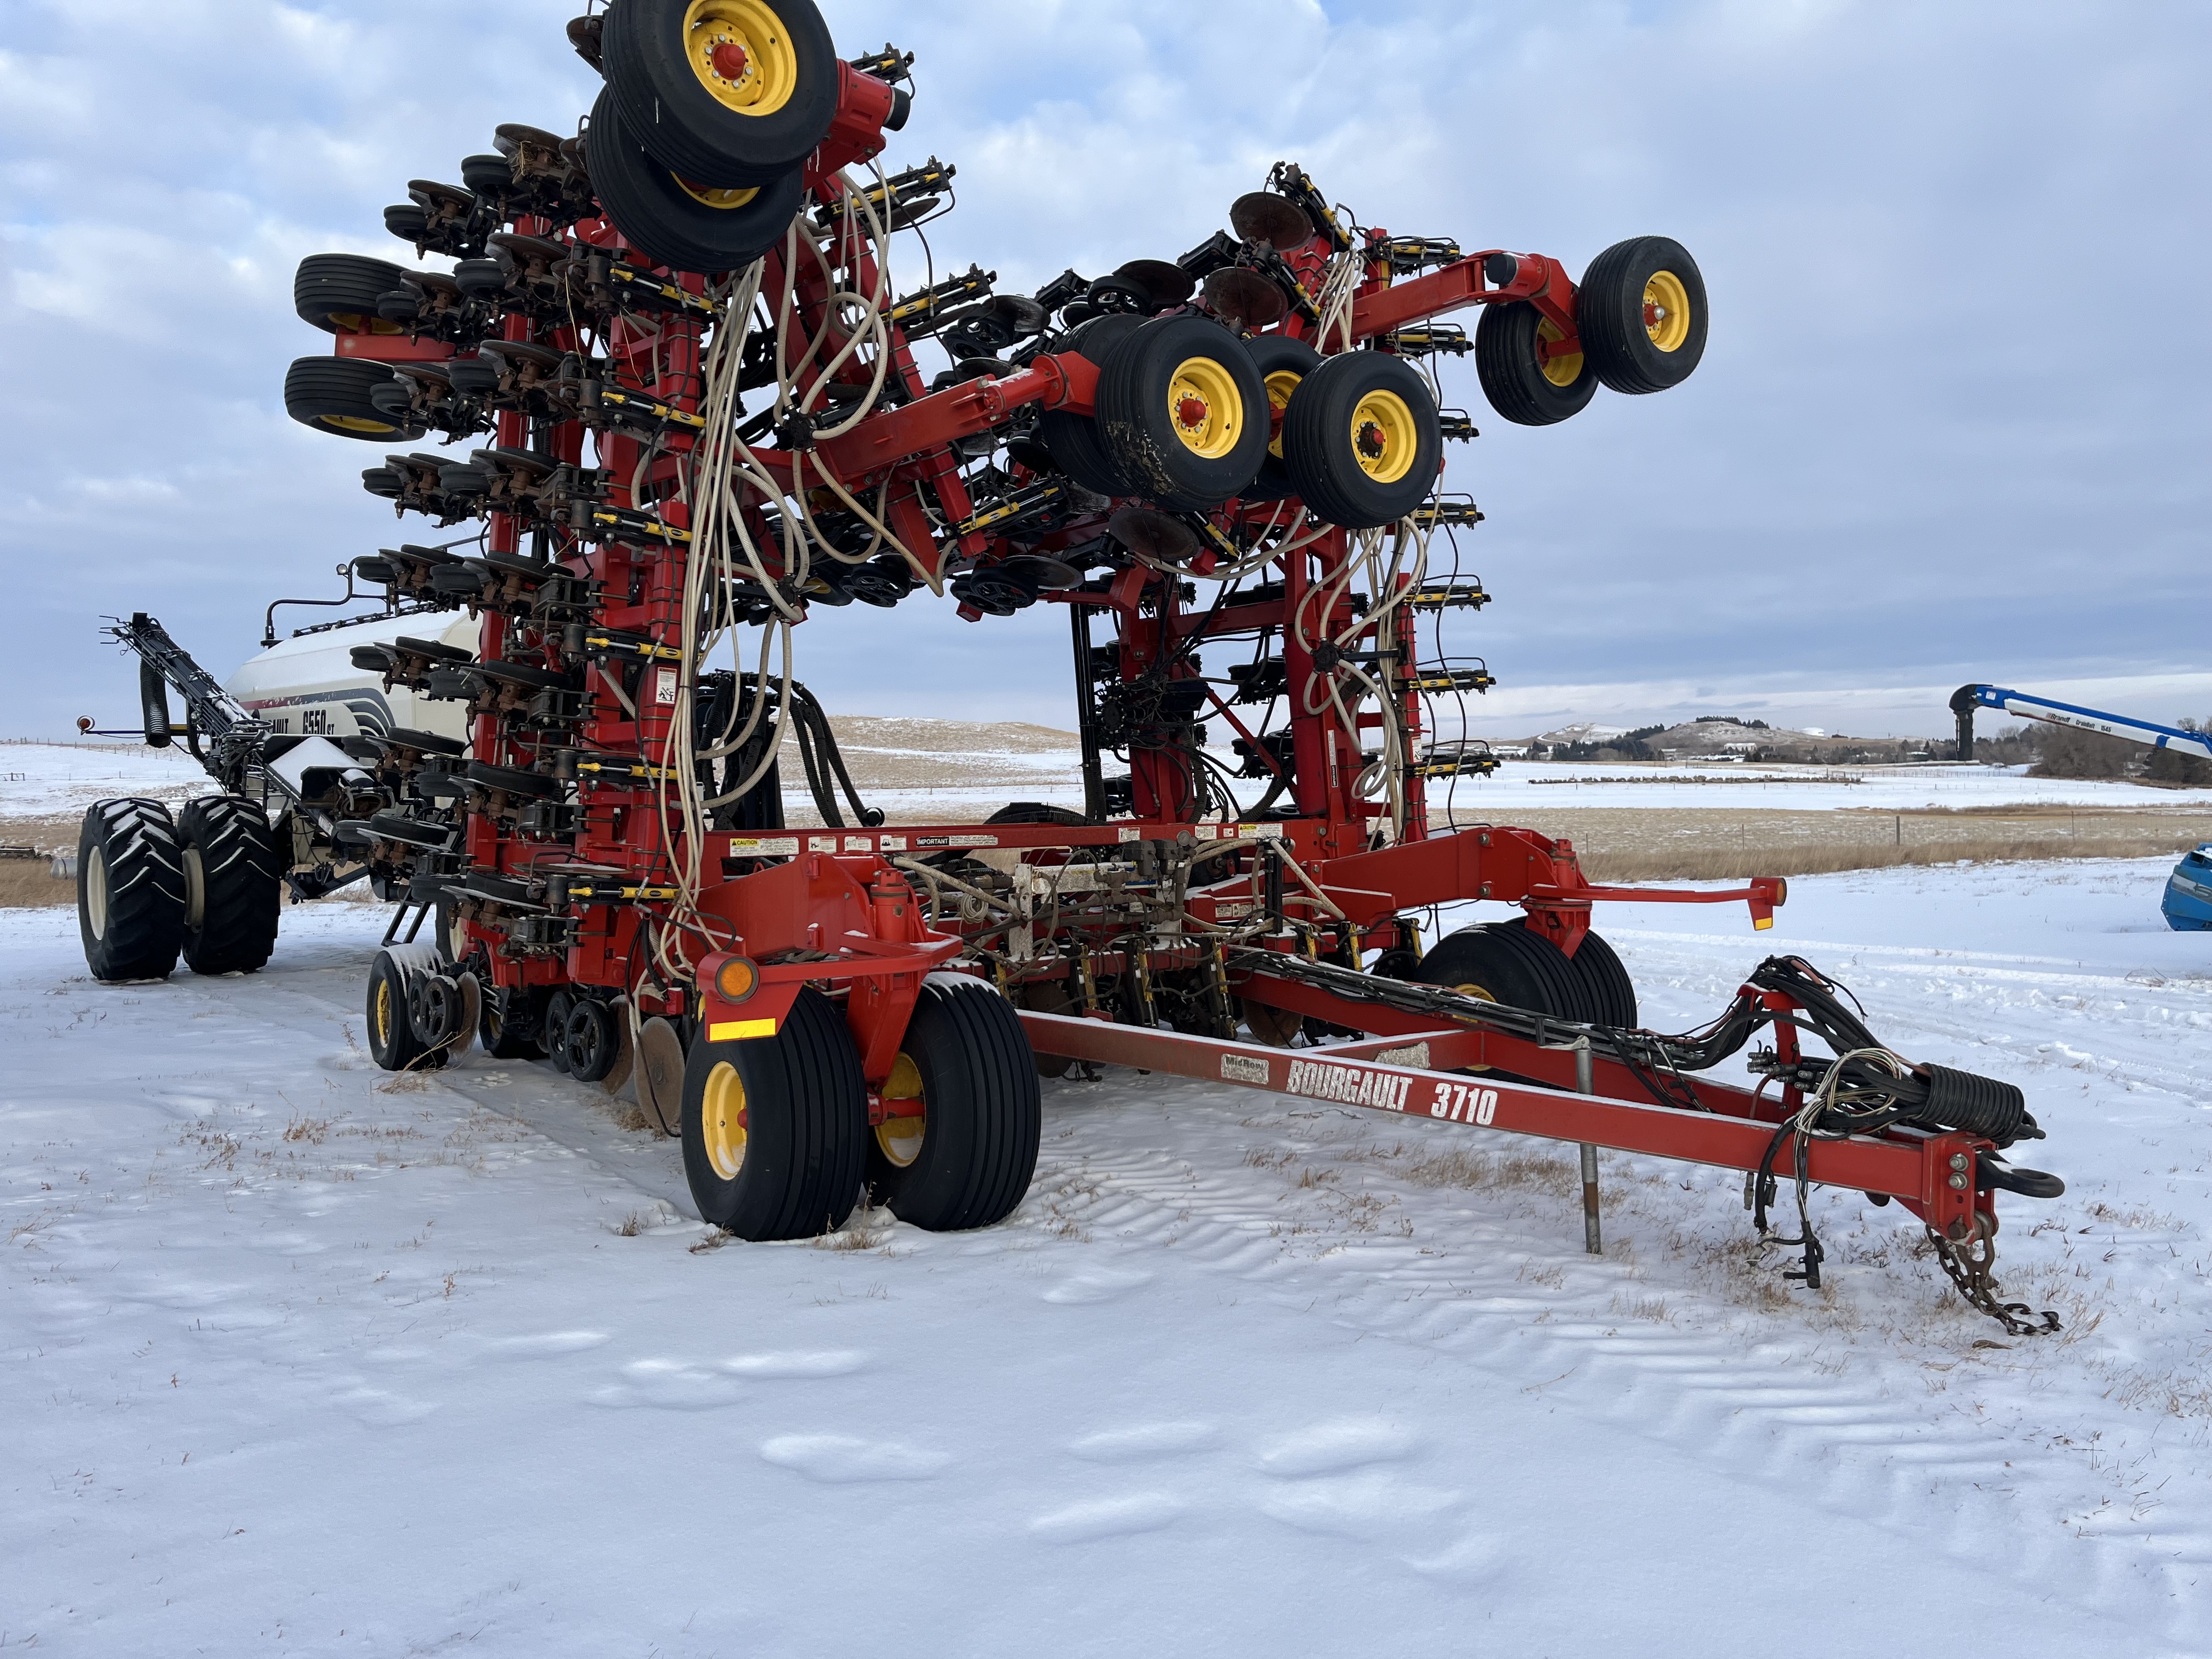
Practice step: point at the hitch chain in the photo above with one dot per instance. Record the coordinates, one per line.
(1969, 1261)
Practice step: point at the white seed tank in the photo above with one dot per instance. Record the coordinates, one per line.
(307, 685)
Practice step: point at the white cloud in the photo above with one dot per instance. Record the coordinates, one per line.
(1951, 425)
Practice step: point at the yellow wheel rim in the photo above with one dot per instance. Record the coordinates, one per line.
(1479, 995)
(724, 199)
(355, 423)
(384, 1013)
(742, 54)
(1666, 311)
(722, 1121)
(1204, 409)
(1280, 384)
(1562, 371)
(899, 1138)
(1384, 436)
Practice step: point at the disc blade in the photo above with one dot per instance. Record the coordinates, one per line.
(1245, 298)
(1153, 535)
(1263, 216)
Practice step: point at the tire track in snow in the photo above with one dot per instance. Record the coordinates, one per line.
(1855, 1446)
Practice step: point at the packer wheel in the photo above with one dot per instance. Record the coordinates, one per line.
(727, 93)
(130, 891)
(773, 1127)
(966, 1159)
(504, 1028)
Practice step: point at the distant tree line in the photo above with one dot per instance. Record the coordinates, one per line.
(2066, 751)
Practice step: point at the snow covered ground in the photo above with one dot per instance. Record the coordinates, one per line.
(300, 1358)
(60, 780)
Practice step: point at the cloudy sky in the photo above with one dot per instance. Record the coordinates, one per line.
(1952, 424)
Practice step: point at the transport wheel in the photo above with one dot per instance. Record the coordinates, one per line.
(1184, 412)
(725, 92)
(1641, 314)
(1282, 362)
(660, 1074)
(967, 1160)
(130, 891)
(683, 225)
(1077, 446)
(1361, 440)
(331, 394)
(338, 292)
(1523, 386)
(772, 1127)
(393, 1043)
(503, 1028)
(233, 884)
(1612, 992)
(1504, 961)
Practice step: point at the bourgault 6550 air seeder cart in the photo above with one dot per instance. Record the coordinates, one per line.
(710, 425)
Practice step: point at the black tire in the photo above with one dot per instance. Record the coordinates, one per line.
(1077, 447)
(1283, 362)
(233, 884)
(393, 1043)
(1361, 442)
(672, 103)
(1183, 411)
(669, 221)
(967, 1059)
(555, 1025)
(331, 394)
(1514, 379)
(129, 890)
(504, 1028)
(590, 1042)
(1612, 991)
(794, 1169)
(1641, 314)
(337, 292)
(1505, 963)
(1036, 811)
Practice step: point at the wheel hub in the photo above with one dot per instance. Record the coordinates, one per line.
(1191, 412)
(729, 60)
(1373, 441)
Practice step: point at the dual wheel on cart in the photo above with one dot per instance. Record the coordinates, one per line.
(206, 886)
